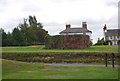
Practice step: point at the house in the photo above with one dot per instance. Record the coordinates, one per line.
(76, 38)
(111, 35)
(70, 38)
(76, 31)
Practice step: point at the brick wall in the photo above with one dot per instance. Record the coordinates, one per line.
(76, 41)
(68, 42)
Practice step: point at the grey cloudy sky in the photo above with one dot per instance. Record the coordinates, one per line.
(55, 14)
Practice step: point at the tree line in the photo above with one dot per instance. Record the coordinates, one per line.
(27, 33)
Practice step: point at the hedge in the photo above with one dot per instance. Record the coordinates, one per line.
(54, 42)
(64, 57)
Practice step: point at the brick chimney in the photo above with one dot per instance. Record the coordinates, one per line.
(105, 28)
(84, 25)
(68, 26)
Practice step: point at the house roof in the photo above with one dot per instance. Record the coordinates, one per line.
(75, 30)
(113, 32)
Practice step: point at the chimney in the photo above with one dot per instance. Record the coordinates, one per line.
(105, 28)
(84, 25)
(68, 26)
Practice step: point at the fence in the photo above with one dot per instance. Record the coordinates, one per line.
(106, 61)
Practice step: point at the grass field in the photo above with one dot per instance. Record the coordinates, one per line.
(22, 70)
(39, 48)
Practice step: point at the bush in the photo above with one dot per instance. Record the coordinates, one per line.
(54, 42)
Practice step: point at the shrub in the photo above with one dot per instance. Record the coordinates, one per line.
(54, 42)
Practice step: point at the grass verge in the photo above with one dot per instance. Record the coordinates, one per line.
(23, 70)
(39, 48)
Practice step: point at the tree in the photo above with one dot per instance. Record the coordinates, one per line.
(33, 22)
(100, 42)
(107, 42)
(38, 29)
(17, 36)
(27, 33)
(91, 43)
(41, 35)
(24, 30)
(31, 36)
(4, 36)
(9, 39)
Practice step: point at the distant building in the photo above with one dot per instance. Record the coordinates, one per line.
(76, 31)
(111, 35)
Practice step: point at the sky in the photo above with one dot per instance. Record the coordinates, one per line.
(55, 14)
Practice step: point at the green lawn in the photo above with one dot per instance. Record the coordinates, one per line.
(39, 48)
(22, 70)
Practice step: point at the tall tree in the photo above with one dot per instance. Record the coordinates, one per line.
(9, 39)
(17, 36)
(24, 28)
(4, 36)
(41, 35)
(38, 29)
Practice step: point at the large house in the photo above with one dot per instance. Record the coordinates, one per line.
(76, 30)
(112, 36)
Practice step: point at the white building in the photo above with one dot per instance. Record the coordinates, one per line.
(112, 35)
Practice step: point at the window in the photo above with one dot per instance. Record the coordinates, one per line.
(110, 37)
